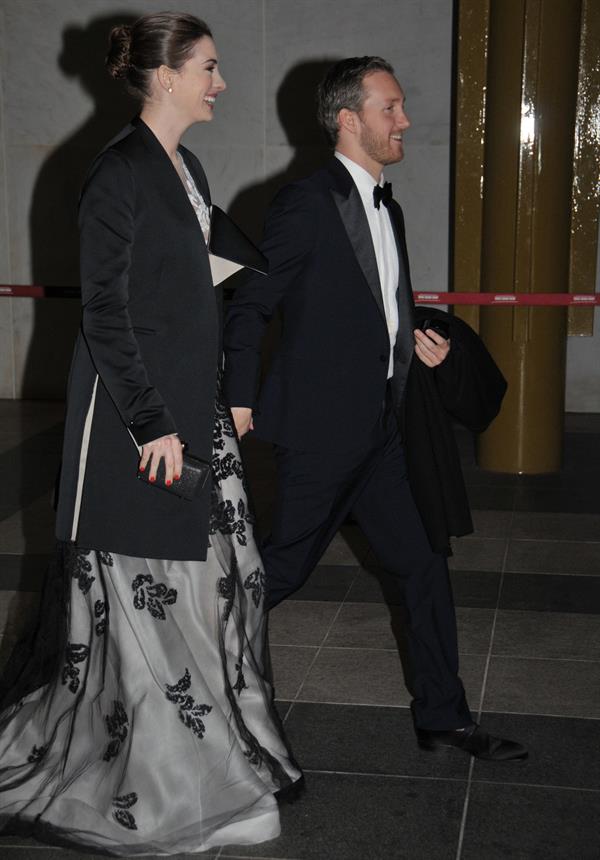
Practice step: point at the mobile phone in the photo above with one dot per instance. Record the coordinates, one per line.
(439, 326)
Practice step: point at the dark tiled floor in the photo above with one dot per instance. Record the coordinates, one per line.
(527, 589)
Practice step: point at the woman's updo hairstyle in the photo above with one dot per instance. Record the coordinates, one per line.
(161, 39)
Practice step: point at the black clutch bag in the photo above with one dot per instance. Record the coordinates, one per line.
(194, 474)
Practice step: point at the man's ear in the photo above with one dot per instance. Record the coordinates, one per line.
(347, 121)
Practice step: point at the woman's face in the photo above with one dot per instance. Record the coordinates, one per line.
(198, 83)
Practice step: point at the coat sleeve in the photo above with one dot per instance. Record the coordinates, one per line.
(290, 232)
(106, 224)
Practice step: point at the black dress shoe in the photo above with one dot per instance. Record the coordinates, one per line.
(475, 741)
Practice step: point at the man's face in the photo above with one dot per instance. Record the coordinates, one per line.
(382, 118)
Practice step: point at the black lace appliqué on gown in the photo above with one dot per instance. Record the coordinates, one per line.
(153, 596)
(256, 582)
(226, 467)
(229, 520)
(82, 566)
(121, 813)
(37, 754)
(117, 726)
(81, 570)
(76, 653)
(190, 713)
(100, 615)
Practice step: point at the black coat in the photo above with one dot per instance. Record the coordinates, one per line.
(328, 379)
(146, 358)
(467, 388)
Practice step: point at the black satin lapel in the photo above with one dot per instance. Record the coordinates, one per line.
(405, 296)
(165, 176)
(356, 225)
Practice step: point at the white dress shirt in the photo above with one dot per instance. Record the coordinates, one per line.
(384, 242)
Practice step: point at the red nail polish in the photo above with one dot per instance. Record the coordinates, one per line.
(176, 477)
(142, 468)
(152, 479)
(168, 483)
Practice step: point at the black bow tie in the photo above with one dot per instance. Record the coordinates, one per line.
(382, 194)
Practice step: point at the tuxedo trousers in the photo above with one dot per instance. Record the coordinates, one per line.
(316, 492)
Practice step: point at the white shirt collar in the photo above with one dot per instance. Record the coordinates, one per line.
(362, 178)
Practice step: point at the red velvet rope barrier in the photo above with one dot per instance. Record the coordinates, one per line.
(530, 299)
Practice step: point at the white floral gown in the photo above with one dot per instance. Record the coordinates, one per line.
(138, 719)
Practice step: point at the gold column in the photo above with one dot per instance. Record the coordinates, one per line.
(533, 50)
(469, 139)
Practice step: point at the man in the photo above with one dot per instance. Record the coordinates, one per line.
(336, 388)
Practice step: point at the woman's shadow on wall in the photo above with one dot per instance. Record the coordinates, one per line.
(53, 216)
(55, 262)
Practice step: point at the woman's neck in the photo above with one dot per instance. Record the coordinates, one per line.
(167, 129)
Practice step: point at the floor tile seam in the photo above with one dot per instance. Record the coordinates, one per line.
(537, 573)
(553, 540)
(544, 785)
(397, 776)
(342, 602)
(493, 627)
(407, 707)
(253, 857)
(324, 647)
(465, 812)
(547, 659)
(315, 657)
(300, 701)
(480, 711)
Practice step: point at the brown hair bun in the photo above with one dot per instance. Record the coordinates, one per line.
(118, 58)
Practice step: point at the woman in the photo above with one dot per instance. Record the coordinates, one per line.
(149, 727)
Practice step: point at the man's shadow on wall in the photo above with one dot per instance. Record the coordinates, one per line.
(55, 262)
(297, 112)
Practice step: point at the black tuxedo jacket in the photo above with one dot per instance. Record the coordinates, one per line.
(327, 382)
(328, 379)
(146, 359)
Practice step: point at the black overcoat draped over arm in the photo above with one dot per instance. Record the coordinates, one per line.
(468, 388)
(146, 359)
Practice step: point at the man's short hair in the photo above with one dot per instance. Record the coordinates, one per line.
(342, 88)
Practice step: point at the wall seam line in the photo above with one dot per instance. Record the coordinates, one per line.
(5, 208)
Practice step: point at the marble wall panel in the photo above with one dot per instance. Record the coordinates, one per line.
(420, 185)
(415, 37)
(7, 372)
(4, 257)
(583, 376)
(57, 86)
(7, 376)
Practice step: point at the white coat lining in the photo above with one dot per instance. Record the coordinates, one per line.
(85, 444)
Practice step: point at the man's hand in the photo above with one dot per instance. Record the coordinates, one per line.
(242, 418)
(431, 347)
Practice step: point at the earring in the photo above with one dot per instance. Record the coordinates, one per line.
(170, 90)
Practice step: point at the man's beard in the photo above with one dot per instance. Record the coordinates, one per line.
(376, 148)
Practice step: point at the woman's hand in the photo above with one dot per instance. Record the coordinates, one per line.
(168, 447)
(431, 347)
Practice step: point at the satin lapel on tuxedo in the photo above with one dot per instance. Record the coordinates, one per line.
(405, 337)
(352, 212)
